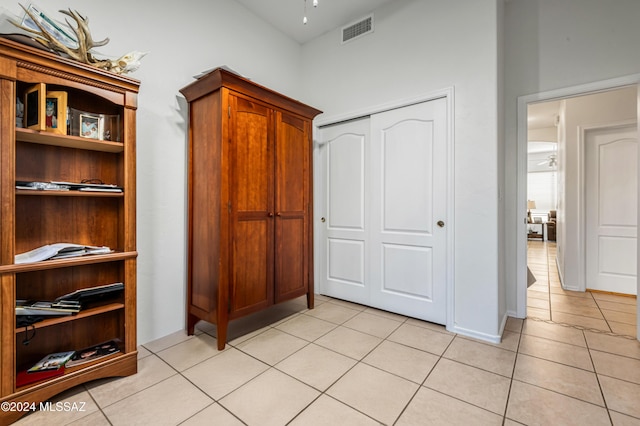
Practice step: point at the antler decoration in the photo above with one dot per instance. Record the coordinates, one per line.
(82, 52)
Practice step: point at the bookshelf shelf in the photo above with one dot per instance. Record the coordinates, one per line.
(47, 138)
(68, 193)
(80, 315)
(78, 374)
(64, 263)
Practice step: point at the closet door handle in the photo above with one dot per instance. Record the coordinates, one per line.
(270, 214)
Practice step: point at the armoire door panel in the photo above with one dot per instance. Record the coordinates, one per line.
(205, 209)
(291, 253)
(251, 205)
(292, 164)
(252, 159)
(252, 272)
(291, 205)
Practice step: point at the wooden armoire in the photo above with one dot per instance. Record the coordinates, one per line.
(250, 199)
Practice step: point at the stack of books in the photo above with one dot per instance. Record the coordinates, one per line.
(50, 366)
(93, 353)
(54, 364)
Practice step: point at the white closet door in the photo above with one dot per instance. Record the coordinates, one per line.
(344, 238)
(384, 206)
(408, 201)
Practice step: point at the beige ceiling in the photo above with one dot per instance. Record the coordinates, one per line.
(542, 114)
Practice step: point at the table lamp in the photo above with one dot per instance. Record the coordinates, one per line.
(530, 205)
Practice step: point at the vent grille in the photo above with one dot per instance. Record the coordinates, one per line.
(357, 29)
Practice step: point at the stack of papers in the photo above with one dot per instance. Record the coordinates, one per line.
(62, 308)
(59, 251)
(67, 186)
(97, 187)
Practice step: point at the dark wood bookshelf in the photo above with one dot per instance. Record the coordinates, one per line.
(31, 219)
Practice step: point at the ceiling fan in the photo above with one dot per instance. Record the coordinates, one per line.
(551, 161)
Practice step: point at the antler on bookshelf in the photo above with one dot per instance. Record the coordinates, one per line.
(85, 42)
(81, 52)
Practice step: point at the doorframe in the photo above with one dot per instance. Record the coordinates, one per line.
(521, 165)
(448, 93)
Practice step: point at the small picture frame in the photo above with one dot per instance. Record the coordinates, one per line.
(90, 126)
(56, 112)
(537, 220)
(34, 107)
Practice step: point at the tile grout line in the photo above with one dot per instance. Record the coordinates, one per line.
(513, 371)
(600, 310)
(422, 384)
(546, 257)
(593, 364)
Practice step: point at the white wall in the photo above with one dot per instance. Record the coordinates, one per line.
(553, 44)
(422, 46)
(182, 38)
(418, 46)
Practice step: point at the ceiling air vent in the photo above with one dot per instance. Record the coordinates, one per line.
(357, 29)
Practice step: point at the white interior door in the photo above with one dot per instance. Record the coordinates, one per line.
(611, 209)
(408, 200)
(343, 241)
(385, 191)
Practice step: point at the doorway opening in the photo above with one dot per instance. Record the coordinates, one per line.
(561, 264)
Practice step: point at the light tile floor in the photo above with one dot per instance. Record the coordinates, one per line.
(547, 300)
(345, 364)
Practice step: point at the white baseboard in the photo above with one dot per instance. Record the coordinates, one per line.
(477, 335)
